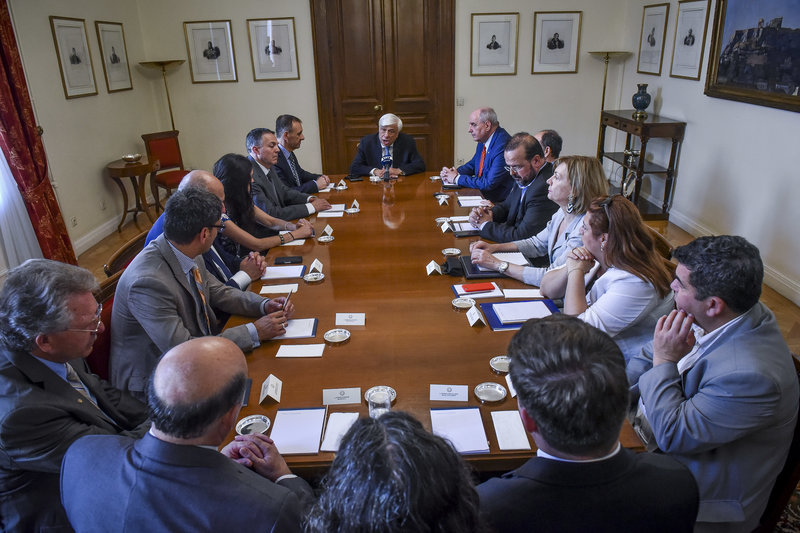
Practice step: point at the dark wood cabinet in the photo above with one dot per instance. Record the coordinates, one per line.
(634, 164)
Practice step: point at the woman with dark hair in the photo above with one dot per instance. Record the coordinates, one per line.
(246, 226)
(391, 475)
(629, 280)
(576, 180)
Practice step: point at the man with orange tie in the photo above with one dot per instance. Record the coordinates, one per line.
(486, 170)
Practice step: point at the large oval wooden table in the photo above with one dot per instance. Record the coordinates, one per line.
(413, 337)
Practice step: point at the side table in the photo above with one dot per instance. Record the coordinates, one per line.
(137, 172)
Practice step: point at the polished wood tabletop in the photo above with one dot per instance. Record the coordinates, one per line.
(413, 336)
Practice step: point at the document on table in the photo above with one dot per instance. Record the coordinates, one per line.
(517, 312)
(469, 201)
(299, 328)
(336, 207)
(515, 258)
(279, 289)
(464, 218)
(462, 427)
(280, 272)
(338, 424)
(330, 214)
(463, 226)
(298, 430)
(496, 292)
(300, 350)
(522, 293)
(509, 430)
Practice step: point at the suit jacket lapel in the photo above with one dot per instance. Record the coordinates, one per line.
(515, 207)
(169, 257)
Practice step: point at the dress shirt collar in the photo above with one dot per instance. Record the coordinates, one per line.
(286, 153)
(207, 447)
(489, 140)
(59, 368)
(187, 263)
(545, 455)
(705, 340)
(264, 169)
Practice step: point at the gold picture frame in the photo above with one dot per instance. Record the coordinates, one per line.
(74, 57)
(209, 44)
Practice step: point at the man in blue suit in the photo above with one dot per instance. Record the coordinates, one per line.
(289, 132)
(486, 171)
(389, 144)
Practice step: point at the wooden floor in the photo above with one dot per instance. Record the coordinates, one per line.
(787, 313)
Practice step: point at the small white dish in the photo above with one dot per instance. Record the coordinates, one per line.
(381, 388)
(252, 424)
(500, 364)
(325, 238)
(463, 303)
(337, 335)
(314, 277)
(490, 392)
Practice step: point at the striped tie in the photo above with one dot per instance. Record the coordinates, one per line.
(292, 166)
(77, 384)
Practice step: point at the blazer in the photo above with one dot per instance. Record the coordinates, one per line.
(152, 485)
(155, 309)
(40, 416)
(275, 198)
(730, 418)
(308, 180)
(513, 219)
(404, 155)
(495, 183)
(626, 492)
(546, 244)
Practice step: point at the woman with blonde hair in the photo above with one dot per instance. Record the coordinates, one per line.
(575, 182)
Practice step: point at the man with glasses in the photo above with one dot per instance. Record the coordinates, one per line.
(527, 209)
(166, 296)
(49, 320)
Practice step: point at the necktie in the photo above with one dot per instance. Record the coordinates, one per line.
(77, 384)
(199, 286)
(294, 168)
(224, 272)
(483, 157)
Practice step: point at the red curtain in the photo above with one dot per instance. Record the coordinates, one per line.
(23, 149)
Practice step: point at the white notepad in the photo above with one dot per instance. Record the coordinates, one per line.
(299, 328)
(298, 430)
(510, 431)
(300, 350)
(338, 424)
(469, 201)
(336, 207)
(463, 226)
(279, 289)
(518, 312)
(522, 293)
(462, 427)
(280, 272)
(330, 214)
(514, 258)
(464, 218)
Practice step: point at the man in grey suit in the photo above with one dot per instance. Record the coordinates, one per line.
(718, 387)
(174, 479)
(166, 296)
(269, 192)
(49, 320)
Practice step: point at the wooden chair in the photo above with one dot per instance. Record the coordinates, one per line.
(787, 480)
(163, 145)
(122, 257)
(101, 350)
(662, 245)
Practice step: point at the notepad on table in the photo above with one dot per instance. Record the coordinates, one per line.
(299, 328)
(279, 289)
(337, 207)
(338, 424)
(469, 201)
(518, 312)
(522, 293)
(300, 350)
(462, 427)
(280, 272)
(495, 292)
(330, 214)
(509, 430)
(298, 430)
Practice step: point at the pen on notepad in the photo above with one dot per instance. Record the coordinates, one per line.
(286, 301)
(324, 425)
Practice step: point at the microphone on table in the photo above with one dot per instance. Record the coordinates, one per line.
(386, 162)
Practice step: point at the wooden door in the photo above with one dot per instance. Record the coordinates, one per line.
(384, 56)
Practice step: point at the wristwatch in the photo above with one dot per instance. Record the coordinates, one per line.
(503, 267)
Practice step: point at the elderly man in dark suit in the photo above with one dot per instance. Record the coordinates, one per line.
(572, 394)
(289, 132)
(390, 146)
(269, 192)
(527, 209)
(174, 479)
(49, 320)
(166, 296)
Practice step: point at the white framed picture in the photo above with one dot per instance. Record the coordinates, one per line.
(114, 54)
(651, 39)
(494, 44)
(210, 47)
(273, 49)
(74, 58)
(556, 41)
(690, 38)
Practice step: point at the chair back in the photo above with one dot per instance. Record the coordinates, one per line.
(787, 480)
(661, 244)
(122, 257)
(163, 145)
(101, 349)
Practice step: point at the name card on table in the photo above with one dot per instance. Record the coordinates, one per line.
(342, 184)
(443, 200)
(328, 230)
(355, 205)
(351, 319)
(449, 393)
(447, 226)
(341, 396)
(316, 266)
(474, 316)
(432, 267)
(271, 389)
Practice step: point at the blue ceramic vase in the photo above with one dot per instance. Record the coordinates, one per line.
(641, 99)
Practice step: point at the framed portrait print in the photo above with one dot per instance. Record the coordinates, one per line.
(556, 38)
(493, 44)
(755, 53)
(651, 39)
(114, 55)
(690, 38)
(273, 49)
(210, 47)
(74, 59)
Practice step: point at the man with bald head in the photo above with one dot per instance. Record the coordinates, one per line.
(166, 295)
(551, 144)
(174, 479)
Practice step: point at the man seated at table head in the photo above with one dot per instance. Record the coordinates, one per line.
(486, 170)
(389, 147)
(289, 132)
(226, 267)
(527, 209)
(166, 296)
(174, 479)
(49, 320)
(269, 192)
(718, 389)
(572, 394)
(551, 144)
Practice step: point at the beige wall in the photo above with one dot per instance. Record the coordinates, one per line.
(734, 173)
